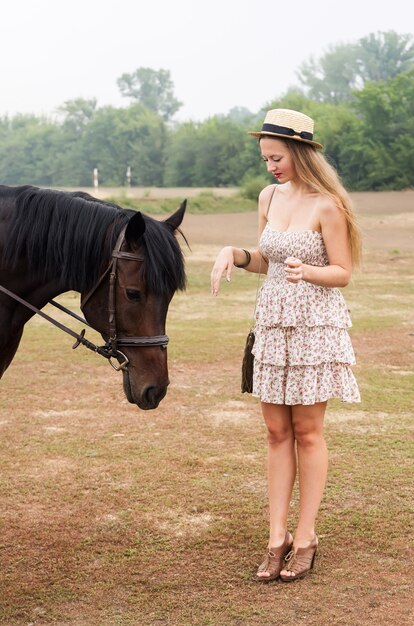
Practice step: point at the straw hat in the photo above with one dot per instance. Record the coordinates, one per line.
(288, 124)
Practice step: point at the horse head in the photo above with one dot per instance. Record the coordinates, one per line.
(129, 306)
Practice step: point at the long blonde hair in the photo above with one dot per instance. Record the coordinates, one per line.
(314, 170)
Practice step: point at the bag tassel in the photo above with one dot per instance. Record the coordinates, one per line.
(248, 364)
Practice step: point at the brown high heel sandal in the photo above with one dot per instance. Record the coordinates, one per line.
(300, 562)
(275, 560)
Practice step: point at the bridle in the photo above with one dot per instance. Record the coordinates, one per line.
(114, 339)
(111, 348)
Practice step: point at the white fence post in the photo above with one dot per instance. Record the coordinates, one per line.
(95, 178)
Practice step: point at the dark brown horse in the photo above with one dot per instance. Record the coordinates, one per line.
(125, 265)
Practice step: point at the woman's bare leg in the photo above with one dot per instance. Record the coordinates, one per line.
(281, 469)
(307, 422)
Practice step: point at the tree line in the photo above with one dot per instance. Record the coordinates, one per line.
(361, 96)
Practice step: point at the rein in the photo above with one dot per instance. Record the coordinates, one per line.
(110, 349)
(80, 339)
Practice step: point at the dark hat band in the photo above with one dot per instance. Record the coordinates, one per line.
(289, 132)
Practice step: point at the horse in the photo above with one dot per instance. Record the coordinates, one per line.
(125, 265)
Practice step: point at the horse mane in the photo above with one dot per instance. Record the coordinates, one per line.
(69, 237)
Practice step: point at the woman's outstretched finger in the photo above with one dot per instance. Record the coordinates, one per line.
(216, 275)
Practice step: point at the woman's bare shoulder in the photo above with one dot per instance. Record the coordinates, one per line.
(329, 210)
(266, 193)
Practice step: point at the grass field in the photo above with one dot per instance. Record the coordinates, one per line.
(111, 516)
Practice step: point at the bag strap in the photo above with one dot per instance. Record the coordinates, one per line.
(257, 287)
(270, 201)
(261, 258)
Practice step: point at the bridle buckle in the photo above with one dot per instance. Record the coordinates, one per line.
(120, 366)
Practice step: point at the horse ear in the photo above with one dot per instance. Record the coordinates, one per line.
(135, 228)
(176, 218)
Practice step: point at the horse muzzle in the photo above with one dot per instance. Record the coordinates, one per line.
(148, 397)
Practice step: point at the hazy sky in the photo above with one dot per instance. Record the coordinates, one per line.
(221, 53)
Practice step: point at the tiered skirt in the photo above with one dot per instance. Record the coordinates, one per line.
(303, 352)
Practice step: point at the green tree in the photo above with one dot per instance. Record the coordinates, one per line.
(346, 67)
(384, 55)
(380, 153)
(152, 88)
(219, 143)
(240, 115)
(118, 138)
(30, 151)
(73, 168)
(181, 154)
(333, 77)
(216, 152)
(77, 113)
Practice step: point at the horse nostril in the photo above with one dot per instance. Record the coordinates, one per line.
(153, 395)
(149, 393)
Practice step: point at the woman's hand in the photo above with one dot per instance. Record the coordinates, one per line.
(293, 269)
(222, 267)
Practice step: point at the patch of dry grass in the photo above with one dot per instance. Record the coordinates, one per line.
(115, 517)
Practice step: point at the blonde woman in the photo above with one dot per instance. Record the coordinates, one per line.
(308, 244)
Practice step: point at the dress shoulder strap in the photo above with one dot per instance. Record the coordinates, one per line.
(270, 201)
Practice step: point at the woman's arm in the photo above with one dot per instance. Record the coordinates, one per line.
(230, 257)
(335, 235)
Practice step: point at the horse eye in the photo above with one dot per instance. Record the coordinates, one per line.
(134, 295)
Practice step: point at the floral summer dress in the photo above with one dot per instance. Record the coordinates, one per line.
(302, 348)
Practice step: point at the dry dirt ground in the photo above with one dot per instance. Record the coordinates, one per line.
(115, 517)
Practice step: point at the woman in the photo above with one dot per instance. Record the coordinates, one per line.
(308, 243)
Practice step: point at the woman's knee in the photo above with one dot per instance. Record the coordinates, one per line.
(279, 435)
(307, 425)
(278, 420)
(307, 435)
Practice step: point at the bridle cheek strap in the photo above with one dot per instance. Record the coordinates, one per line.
(115, 340)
